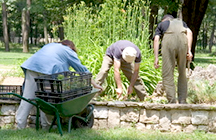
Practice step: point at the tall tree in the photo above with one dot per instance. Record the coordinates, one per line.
(5, 26)
(193, 12)
(153, 19)
(212, 35)
(25, 26)
(211, 19)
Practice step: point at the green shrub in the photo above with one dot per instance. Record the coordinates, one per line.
(201, 92)
(93, 29)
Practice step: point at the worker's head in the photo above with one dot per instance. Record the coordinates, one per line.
(129, 54)
(167, 17)
(69, 44)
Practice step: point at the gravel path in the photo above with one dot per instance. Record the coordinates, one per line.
(11, 81)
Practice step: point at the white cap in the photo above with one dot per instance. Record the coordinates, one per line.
(129, 54)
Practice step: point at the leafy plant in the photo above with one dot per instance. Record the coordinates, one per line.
(93, 29)
(202, 92)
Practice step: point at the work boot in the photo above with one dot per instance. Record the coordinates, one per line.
(173, 101)
(182, 102)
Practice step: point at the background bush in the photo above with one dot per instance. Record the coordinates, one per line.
(201, 91)
(93, 29)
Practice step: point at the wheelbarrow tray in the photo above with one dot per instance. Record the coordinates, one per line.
(67, 108)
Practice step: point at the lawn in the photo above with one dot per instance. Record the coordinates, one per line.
(15, 58)
(204, 59)
(103, 134)
(11, 58)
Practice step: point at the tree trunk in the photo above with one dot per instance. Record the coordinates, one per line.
(5, 27)
(31, 32)
(25, 26)
(193, 12)
(212, 37)
(152, 20)
(36, 34)
(46, 34)
(205, 31)
(24, 32)
(45, 28)
(179, 13)
(61, 29)
(61, 32)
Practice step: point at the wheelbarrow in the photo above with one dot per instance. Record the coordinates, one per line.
(78, 109)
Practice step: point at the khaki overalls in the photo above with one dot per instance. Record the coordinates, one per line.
(174, 49)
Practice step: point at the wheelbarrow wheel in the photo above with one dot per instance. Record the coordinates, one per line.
(79, 123)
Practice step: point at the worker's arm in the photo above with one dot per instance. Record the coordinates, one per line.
(190, 39)
(117, 77)
(133, 78)
(156, 49)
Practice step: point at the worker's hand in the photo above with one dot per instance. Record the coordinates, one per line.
(119, 92)
(96, 85)
(156, 63)
(99, 87)
(189, 56)
(129, 90)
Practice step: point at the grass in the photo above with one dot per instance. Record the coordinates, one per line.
(11, 61)
(103, 134)
(203, 58)
(11, 58)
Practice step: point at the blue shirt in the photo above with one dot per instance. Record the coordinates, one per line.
(54, 58)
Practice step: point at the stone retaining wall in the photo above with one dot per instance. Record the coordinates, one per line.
(163, 117)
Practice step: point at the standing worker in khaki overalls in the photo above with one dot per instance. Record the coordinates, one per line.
(176, 49)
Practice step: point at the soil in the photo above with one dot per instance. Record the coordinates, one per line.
(9, 80)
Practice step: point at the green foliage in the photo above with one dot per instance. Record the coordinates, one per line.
(60, 77)
(8, 126)
(202, 92)
(94, 28)
(168, 5)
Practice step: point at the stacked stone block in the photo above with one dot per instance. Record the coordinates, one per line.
(162, 117)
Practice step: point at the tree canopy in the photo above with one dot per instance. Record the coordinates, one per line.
(47, 17)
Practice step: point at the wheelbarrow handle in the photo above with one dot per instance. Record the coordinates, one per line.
(27, 100)
(19, 96)
(43, 105)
